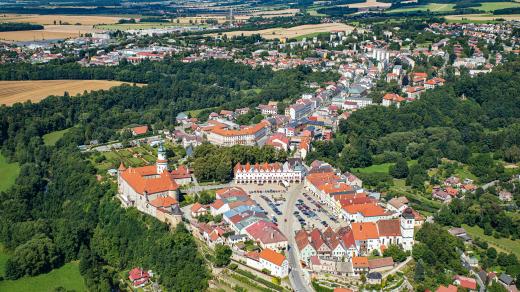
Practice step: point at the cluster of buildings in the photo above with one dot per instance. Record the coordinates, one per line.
(243, 220)
(451, 188)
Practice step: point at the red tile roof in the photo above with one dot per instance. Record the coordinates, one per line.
(145, 179)
(163, 202)
(140, 130)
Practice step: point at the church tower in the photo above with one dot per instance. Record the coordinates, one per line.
(407, 228)
(162, 160)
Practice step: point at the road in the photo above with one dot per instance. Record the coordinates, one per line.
(296, 276)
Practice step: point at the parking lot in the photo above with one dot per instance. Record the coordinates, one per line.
(308, 212)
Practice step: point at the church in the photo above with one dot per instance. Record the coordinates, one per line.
(151, 189)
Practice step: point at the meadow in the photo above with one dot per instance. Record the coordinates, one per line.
(67, 277)
(382, 168)
(35, 90)
(8, 173)
(438, 7)
(501, 244)
(53, 137)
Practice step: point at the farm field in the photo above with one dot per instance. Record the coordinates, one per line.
(491, 6)
(293, 32)
(480, 18)
(434, 7)
(67, 277)
(49, 19)
(77, 25)
(502, 244)
(35, 90)
(53, 137)
(8, 173)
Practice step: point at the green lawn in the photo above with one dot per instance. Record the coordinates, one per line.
(53, 137)
(384, 168)
(504, 244)
(3, 260)
(312, 35)
(8, 173)
(433, 7)
(67, 277)
(492, 6)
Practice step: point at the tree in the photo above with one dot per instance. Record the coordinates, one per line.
(397, 254)
(222, 255)
(399, 169)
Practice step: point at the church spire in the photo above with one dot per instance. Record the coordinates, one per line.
(162, 160)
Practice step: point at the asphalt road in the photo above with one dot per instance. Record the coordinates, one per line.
(296, 276)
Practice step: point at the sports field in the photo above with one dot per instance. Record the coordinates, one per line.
(8, 173)
(35, 90)
(67, 277)
(293, 32)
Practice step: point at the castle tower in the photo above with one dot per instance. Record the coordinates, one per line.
(407, 228)
(162, 160)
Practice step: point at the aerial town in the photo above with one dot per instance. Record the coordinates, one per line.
(375, 156)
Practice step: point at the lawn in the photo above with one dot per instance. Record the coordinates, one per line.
(53, 137)
(8, 173)
(67, 277)
(383, 168)
(312, 35)
(3, 260)
(504, 244)
(492, 6)
(433, 7)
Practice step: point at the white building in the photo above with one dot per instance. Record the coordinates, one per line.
(268, 173)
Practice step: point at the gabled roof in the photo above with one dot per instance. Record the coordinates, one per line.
(389, 227)
(163, 202)
(360, 262)
(364, 231)
(272, 256)
(146, 179)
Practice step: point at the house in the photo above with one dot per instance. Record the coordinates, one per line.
(465, 282)
(275, 262)
(380, 264)
(305, 248)
(268, 110)
(392, 99)
(398, 204)
(267, 235)
(140, 130)
(374, 278)
(198, 209)
(505, 196)
(182, 175)
(268, 172)
(506, 280)
(138, 277)
(450, 288)
(360, 265)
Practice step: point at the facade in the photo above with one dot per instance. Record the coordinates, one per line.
(268, 173)
(268, 259)
(250, 136)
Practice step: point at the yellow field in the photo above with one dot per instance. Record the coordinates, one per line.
(293, 32)
(276, 13)
(49, 19)
(49, 32)
(482, 17)
(368, 4)
(35, 90)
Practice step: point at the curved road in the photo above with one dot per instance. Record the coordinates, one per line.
(296, 276)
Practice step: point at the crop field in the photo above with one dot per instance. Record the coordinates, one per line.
(294, 32)
(35, 90)
(50, 19)
(433, 7)
(72, 26)
(480, 18)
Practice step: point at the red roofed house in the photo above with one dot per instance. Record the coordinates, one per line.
(151, 189)
(138, 277)
(275, 262)
(450, 288)
(141, 130)
(181, 175)
(267, 235)
(392, 99)
(198, 209)
(465, 282)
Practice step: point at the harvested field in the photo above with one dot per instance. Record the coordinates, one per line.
(276, 13)
(480, 17)
(294, 32)
(35, 90)
(49, 19)
(369, 4)
(48, 33)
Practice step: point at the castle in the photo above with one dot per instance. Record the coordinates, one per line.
(151, 189)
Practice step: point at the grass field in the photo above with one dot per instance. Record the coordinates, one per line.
(53, 137)
(433, 7)
(502, 244)
(67, 277)
(480, 18)
(3, 260)
(383, 168)
(35, 90)
(8, 173)
(293, 32)
(492, 6)
(51, 19)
